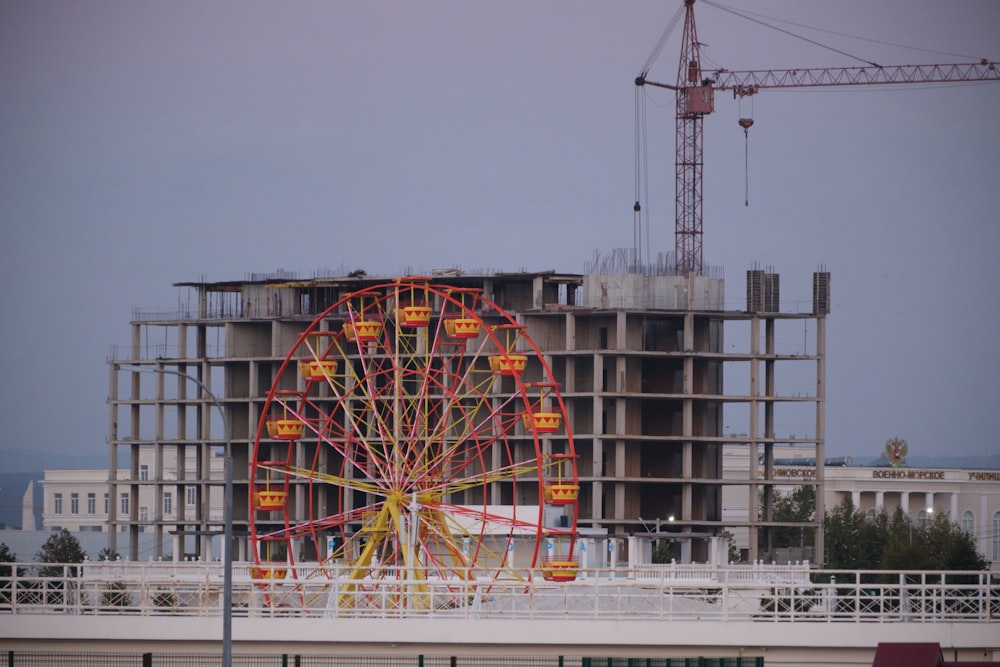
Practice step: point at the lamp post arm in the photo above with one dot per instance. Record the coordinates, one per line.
(227, 567)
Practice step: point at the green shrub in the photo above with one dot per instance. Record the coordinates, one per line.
(116, 595)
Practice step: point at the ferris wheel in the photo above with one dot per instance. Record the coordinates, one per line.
(413, 433)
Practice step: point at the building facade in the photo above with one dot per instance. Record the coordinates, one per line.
(654, 384)
(967, 497)
(77, 500)
(82, 501)
(970, 498)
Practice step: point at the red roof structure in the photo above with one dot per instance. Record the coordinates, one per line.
(916, 655)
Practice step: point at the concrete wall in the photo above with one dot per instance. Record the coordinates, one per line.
(633, 290)
(815, 644)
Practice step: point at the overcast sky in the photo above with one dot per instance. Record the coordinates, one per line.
(149, 143)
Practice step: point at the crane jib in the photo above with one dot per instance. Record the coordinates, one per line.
(753, 80)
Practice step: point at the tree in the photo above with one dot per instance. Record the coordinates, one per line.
(60, 548)
(116, 594)
(895, 542)
(661, 552)
(799, 506)
(844, 527)
(905, 546)
(107, 553)
(950, 546)
(6, 570)
(6, 556)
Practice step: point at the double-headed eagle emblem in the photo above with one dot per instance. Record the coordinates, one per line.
(895, 451)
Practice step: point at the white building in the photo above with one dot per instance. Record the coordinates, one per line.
(80, 500)
(76, 500)
(968, 497)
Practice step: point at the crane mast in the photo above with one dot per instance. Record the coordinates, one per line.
(695, 93)
(694, 100)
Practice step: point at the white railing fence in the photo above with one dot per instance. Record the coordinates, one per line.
(759, 593)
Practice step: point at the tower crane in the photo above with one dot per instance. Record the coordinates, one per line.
(695, 91)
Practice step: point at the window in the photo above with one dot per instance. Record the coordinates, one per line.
(143, 514)
(91, 503)
(124, 505)
(968, 522)
(144, 472)
(996, 536)
(168, 502)
(57, 504)
(107, 506)
(923, 517)
(74, 503)
(192, 495)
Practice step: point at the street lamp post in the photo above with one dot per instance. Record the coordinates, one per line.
(227, 566)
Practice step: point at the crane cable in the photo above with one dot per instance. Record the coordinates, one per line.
(746, 165)
(674, 20)
(641, 164)
(640, 175)
(744, 13)
(746, 122)
(641, 154)
(788, 32)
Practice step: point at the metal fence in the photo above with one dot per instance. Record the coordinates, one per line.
(730, 593)
(160, 659)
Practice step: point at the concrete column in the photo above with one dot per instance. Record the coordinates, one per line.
(820, 436)
(929, 500)
(713, 551)
(586, 546)
(904, 503)
(597, 486)
(537, 287)
(633, 554)
(597, 428)
(856, 499)
(687, 427)
(879, 501)
(984, 526)
(953, 507)
(113, 452)
(619, 500)
(753, 501)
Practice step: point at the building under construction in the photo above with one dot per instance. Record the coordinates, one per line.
(639, 358)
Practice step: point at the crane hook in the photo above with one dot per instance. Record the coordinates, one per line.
(746, 123)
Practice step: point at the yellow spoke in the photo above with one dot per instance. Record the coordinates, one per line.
(489, 477)
(306, 473)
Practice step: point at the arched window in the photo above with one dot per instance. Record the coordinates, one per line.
(870, 515)
(922, 517)
(968, 522)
